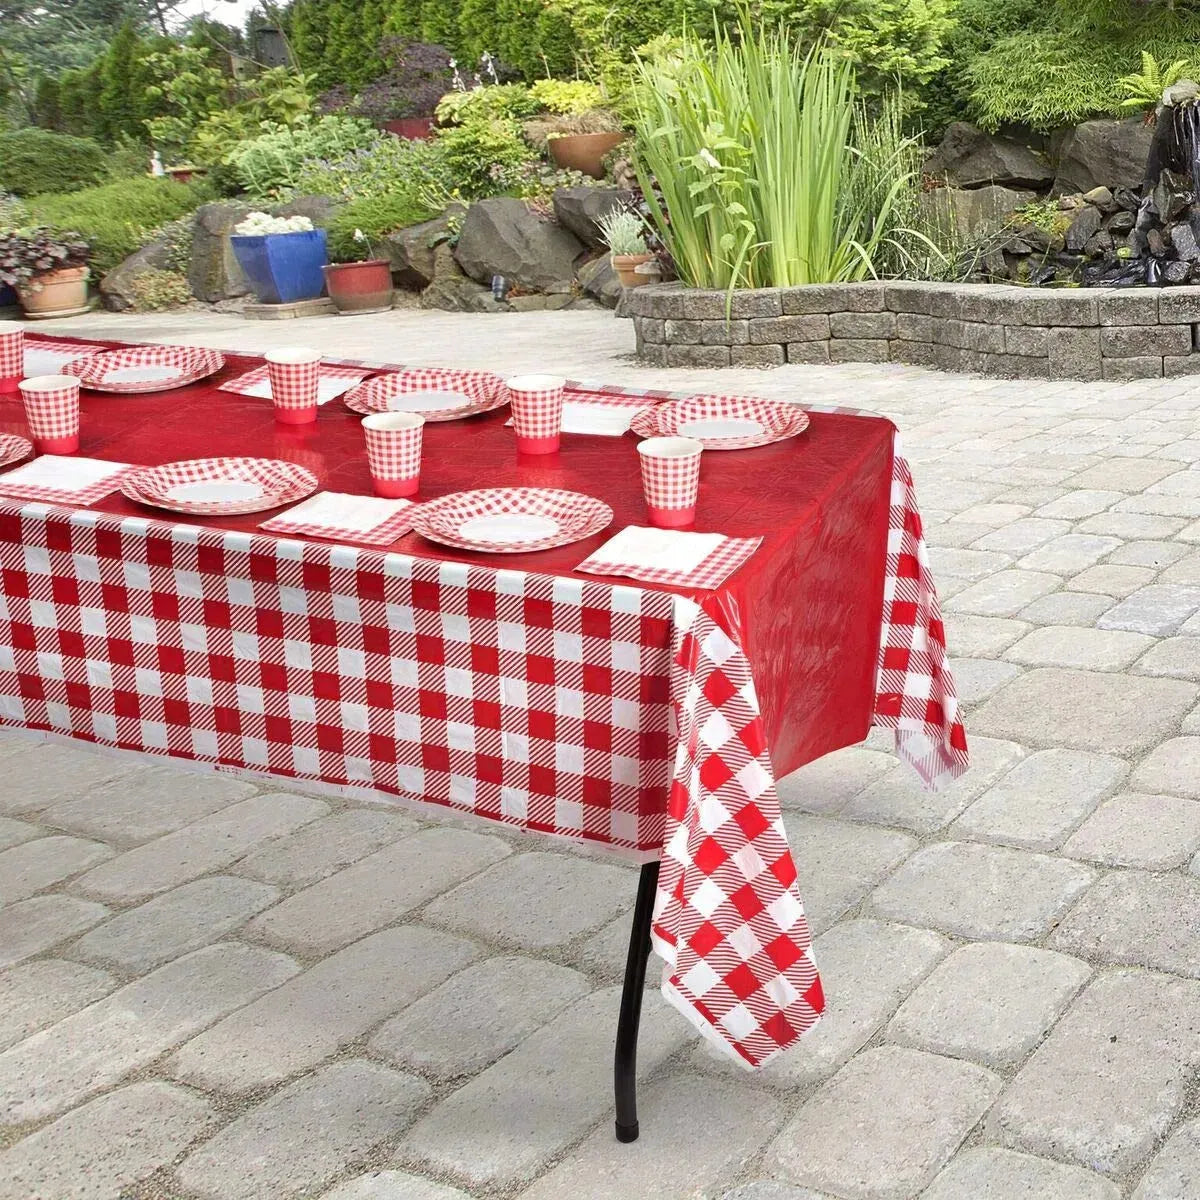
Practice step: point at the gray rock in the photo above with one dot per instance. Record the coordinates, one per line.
(1083, 228)
(1102, 198)
(503, 236)
(1108, 152)
(579, 210)
(597, 278)
(213, 272)
(970, 158)
(974, 212)
(413, 251)
(1184, 241)
(320, 210)
(453, 291)
(117, 287)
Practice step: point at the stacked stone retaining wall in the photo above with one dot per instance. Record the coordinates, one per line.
(997, 330)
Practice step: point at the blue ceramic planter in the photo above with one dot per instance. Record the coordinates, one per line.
(283, 267)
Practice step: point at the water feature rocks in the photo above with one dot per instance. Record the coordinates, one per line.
(976, 212)
(1103, 153)
(579, 210)
(503, 236)
(970, 158)
(1085, 225)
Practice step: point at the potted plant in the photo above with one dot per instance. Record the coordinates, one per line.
(47, 270)
(625, 236)
(576, 130)
(359, 282)
(281, 256)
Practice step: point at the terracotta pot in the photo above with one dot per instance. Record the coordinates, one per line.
(584, 151)
(184, 174)
(360, 287)
(61, 293)
(415, 129)
(624, 265)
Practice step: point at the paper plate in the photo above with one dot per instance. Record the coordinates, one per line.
(139, 369)
(13, 448)
(220, 486)
(511, 520)
(723, 422)
(436, 394)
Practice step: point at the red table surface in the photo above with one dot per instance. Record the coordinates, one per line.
(806, 608)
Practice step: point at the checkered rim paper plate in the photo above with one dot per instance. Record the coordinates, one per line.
(145, 368)
(433, 393)
(13, 448)
(220, 486)
(511, 520)
(723, 422)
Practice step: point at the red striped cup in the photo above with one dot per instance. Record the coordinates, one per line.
(394, 452)
(671, 479)
(12, 355)
(294, 373)
(537, 404)
(52, 410)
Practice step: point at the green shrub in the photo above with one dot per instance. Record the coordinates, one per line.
(391, 167)
(271, 163)
(484, 158)
(13, 214)
(374, 217)
(153, 290)
(34, 161)
(570, 97)
(503, 101)
(118, 218)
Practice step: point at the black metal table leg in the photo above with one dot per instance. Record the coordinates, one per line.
(625, 1059)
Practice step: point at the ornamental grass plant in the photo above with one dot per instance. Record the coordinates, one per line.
(761, 167)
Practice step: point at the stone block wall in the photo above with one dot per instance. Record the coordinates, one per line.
(987, 329)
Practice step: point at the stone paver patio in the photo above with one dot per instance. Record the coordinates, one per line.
(215, 991)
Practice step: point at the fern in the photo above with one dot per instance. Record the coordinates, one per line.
(1144, 88)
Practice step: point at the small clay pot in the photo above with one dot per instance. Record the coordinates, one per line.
(624, 265)
(584, 151)
(360, 287)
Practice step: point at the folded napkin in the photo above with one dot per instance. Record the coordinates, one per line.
(64, 479)
(598, 413)
(49, 358)
(670, 556)
(333, 381)
(341, 517)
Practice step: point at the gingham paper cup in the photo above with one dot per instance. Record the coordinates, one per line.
(537, 404)
(52, 410)
(394, 452)
(12, 355)
(671, 479)
(294, 373)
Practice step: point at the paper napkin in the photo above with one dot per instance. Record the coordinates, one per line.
(63, 479)
(49, 358)
(340, 516)
(672, 556)
(333, 381)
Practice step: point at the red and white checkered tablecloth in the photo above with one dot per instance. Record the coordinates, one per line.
(546, 702)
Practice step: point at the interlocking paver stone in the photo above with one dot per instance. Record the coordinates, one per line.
(979, 891)
(1111, 1077)
(35, 865)
(376, 891)
(502, 1127)
(869, 966)
(324, 846)
(1041, 799)
(772, 1189)
(917, 1108)
(393, 1185)
(826, 785)
(682, 1156)
(975, 679)
(477, 1015)
(174, 923)
(1177, 657)
(1088, 649)
(1085, 710)
(992, 1173)
(1020, 537)
(1125, 474)
(305, 1135)
(40, 922)
(1079, 503)
(991, 1002)
(1173, 766)
(1111, 580)
(13, 833)
(1138, 918)
(968, 564)
(1160, 609)
(97, 1151)
(899, 799)
(838, 863)
(146, 804)
(38, 775)
(206, 845)
(1069, 553)
(982, 637)
(1155, 555)
(95, 1047)
(1066, 608)
(37, 994)
(1004, 593)
(310, 1017)
(1156, 833)
(579, 896)
(1175, 1168)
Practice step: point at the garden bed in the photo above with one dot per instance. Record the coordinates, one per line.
(996, 330)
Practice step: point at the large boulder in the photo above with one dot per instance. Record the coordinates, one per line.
(413, 251)
(970, 158)
(975, 212)
(451, 290)
(1108, 153)
(504, 237)
(579, 209)
(213, 272)
(118, 287)
(599, 280)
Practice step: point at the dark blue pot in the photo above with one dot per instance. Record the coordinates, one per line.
(283, 267)
(8, 297)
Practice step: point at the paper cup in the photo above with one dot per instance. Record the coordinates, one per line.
(12, 355)
(671, 479)
(537, 403)
(394, 452)
(52, 410)
(294, 373)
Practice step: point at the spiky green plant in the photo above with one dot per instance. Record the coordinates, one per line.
(1143, 89)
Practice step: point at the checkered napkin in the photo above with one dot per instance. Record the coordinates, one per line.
(64, 479)
(670, 556)
(49, 358)
(342, 517)
(333, 382)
